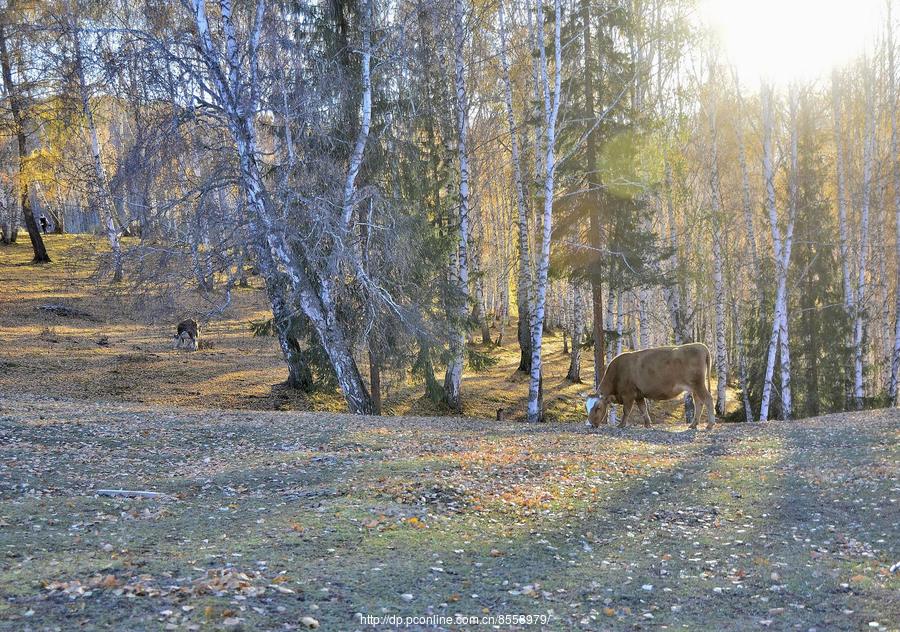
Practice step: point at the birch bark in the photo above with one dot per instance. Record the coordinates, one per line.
(782, 251)
(551, 112)
(718, 277)
(453, 376)
(859, 307)
(895, 177)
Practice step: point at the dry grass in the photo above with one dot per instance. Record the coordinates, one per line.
(124, 352)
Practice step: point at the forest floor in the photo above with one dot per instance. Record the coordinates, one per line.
(275, 520)
(273, 517)
(116, 346)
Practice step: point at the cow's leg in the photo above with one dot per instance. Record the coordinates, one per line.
(710, 408)
(698, 407)
(627, 405)
(645, 408)
(704, 400)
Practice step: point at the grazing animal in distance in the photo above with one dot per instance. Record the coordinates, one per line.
(655, 374)
(187, 337)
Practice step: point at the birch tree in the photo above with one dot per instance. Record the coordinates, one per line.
(746, 197)
(551, 100)
(781, 243)
(524, 279)
(895, 182)
(859, 307)
(460, 259)
(718, 265)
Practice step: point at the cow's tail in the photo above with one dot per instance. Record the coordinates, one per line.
(708, 369)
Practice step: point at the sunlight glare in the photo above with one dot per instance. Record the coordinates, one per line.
(784, 40)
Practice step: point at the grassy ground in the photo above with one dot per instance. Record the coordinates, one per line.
(272, 517)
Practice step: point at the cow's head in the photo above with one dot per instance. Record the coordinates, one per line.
(597, 408)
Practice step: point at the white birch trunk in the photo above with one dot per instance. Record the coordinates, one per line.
(480, 310)
(672, 293)
(782, 251)
(453, 376)
(612, 350)
(551, 112)
(620, 322)
(859, 308)
(769, 177)
(365, 115)
(718, 277)
(787, 402)
(895, 173)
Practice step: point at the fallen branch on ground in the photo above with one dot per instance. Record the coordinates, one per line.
(130, 493)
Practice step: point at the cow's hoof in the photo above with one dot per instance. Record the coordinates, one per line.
(710, 426)
(693, 426)
(620, 425)
(646, 425)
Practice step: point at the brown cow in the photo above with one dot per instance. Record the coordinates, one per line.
(659, 373)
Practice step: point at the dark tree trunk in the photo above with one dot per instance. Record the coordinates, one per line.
(37, 242)
(524, 335)
(574, 374)
(300, 376)
(433, 389)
